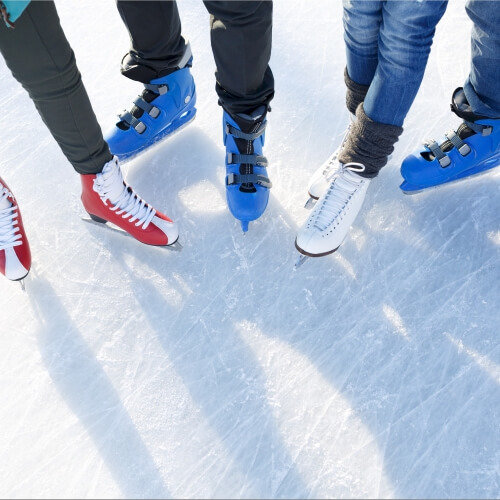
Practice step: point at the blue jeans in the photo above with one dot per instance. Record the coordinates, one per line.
(482, 88)
(388, 43)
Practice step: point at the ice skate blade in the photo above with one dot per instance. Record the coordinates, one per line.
(300, 261)
(310, 202)
(22, 282)
(173, 247)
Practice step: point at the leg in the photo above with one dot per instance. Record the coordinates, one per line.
(405, 41)
(362, 21)
(482, 88)
(241, 34)
(157, 48)
(40, 58)
(159, 58)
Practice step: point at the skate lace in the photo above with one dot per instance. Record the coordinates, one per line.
(342, 188)
(126, 203)
(9, 224)
(332, 165)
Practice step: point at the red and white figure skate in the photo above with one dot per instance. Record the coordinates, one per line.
(15, 255)
(107, 198)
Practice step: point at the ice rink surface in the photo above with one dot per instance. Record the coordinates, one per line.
(130, 371)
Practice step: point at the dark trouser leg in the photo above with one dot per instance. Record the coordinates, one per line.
(155, 33)
(241, 34)
(40, 58)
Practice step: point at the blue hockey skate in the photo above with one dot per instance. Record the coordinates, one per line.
(165, 105)
(247, 184)
(470, 150)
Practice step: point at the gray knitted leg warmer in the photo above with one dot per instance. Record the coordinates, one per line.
(355, 94)
(369, 143)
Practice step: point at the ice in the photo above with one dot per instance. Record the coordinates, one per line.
(128, 371)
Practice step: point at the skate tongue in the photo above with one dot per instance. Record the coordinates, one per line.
(114, 181)
(4, 200)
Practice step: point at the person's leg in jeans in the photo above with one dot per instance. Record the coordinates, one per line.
(160, 59)
(475, 145)
(404, 40)
(362, 20)
(404, 44)
(482, 88)
(241, 35)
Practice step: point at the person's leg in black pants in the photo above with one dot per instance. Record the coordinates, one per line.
(241, 35)
(41, 59)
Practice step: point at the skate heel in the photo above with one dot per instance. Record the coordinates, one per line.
(97, 219)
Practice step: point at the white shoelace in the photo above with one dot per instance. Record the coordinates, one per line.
(9, 229)
(342, 188)
(109, 184)
(332, 166)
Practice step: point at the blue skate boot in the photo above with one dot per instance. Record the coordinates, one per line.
(472, 149)
(165, 105)
(247, 184)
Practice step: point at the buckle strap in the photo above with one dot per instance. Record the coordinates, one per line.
(148, 108)
(233, 159)
(132, 121)
(243, 135)
(261, 180)
(161, 88)
(479, 129)
(436, 150)
(463, 148)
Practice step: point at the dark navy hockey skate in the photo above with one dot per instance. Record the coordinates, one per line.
(247, 183)
(166, 104)
(470, 150)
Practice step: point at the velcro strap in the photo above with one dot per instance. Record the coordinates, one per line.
(157, 89)
(462, 147)
(243, 135)
(434, 148)
(132, 121)
(151, 110)
(261, 180)
(233, 159)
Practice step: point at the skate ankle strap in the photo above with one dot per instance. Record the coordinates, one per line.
(132, 121)
(243, 135)
(478, 128)
(234, 159)
(261, 180)
(151, 110)
(160, 89)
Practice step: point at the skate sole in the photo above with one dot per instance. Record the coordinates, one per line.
(164, 135)
(176, 246)
(307, 254)
(449, 183)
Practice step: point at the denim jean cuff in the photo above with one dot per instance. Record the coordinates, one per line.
(369, 143)
(355, 94)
